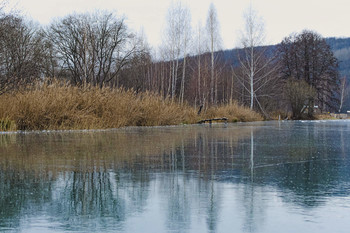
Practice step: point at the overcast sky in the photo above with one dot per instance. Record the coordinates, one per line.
(281, 17)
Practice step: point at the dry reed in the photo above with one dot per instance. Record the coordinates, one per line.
(234, 112)
(59, 105)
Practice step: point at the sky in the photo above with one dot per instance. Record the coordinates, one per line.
(281, 17)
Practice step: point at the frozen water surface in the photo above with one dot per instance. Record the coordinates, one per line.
(244, 177)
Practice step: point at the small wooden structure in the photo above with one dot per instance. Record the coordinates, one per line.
(213, 119)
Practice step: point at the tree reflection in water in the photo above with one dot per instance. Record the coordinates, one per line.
(98, 181)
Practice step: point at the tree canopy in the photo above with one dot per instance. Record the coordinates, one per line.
(307, 56)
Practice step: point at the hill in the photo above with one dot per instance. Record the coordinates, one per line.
(339, 46)
(341, 50)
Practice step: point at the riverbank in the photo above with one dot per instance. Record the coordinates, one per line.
(58, 106)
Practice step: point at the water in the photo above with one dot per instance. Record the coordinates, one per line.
(244, 177)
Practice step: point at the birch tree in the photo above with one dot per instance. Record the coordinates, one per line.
(176, 41)
(214, 39)
(186, 31)
(198, 46)
(343, 92)
(257, 68)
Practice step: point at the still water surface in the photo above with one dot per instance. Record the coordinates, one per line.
(245, 177)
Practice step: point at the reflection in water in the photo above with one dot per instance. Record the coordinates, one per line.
(251, 155)
(252, 200)
(176, 179)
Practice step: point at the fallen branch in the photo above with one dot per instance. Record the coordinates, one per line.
(213, 119)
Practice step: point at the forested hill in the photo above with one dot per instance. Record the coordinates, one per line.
(341, 50)
(339, 46)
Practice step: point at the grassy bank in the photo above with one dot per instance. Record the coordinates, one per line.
(62, 106)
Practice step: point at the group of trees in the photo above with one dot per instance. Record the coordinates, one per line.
(22, 54)
(83, 48)
(308, 60)
(93, 48)
(99, 49)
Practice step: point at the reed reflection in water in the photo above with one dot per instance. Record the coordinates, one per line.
(177, 179)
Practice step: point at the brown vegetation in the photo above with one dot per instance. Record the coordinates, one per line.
(61, 106)
(234, 112)
(99, 49)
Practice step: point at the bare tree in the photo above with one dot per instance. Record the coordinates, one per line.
(199, 51)
(137, 74)
(21, 55)
(186, 32)
(177, 37)
(164, 65)
(51, 68)
(307, 56)
(297, 93)
(94, 48)
(257, 67)
(344, 91)
(213, 32)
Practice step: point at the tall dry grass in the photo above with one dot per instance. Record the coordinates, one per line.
(60, 106)
(234, 112)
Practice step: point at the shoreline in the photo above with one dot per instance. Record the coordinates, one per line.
(126, 128)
